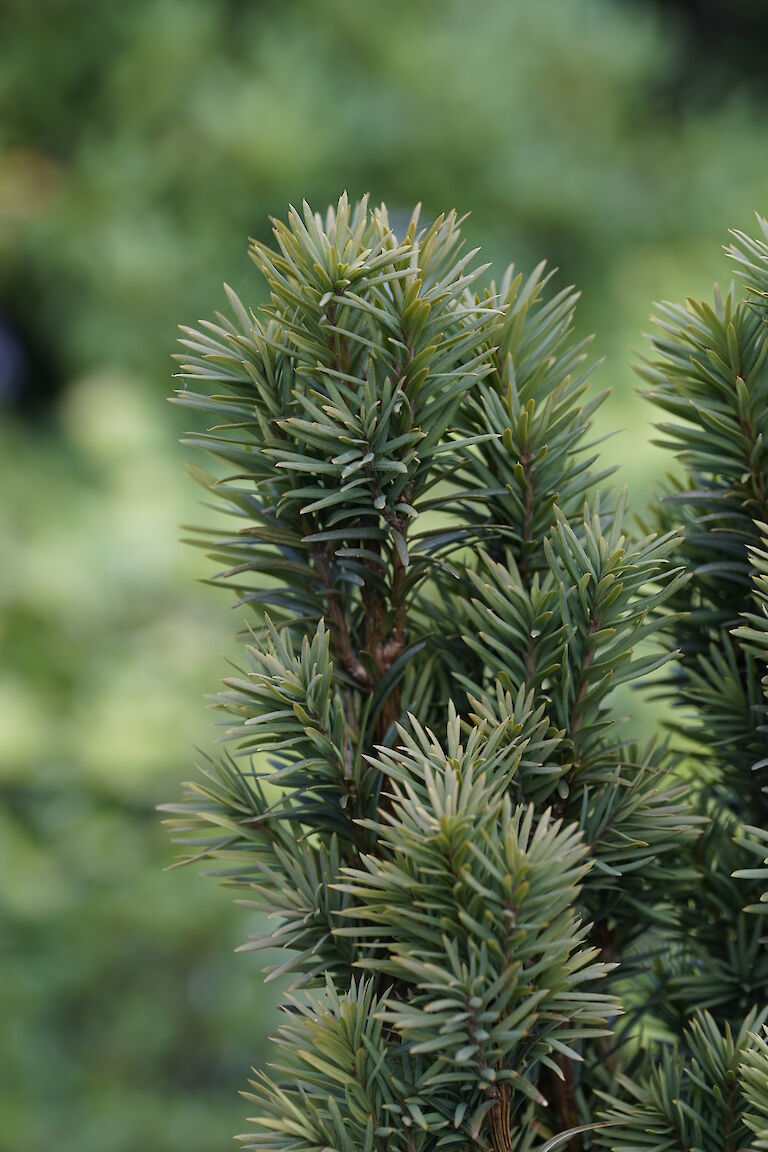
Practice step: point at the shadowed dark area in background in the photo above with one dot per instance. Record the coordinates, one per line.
(140, 144)
(726, 45)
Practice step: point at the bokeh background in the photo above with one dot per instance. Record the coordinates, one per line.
(140, 144)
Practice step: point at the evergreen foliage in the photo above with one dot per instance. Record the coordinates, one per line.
(504, 924)
(713, 1101)
(708, 371)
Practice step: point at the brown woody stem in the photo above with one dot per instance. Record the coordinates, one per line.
(499, 1120)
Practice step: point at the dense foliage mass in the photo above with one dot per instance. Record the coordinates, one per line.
(506, 925)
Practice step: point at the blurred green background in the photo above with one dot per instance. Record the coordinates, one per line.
(140, 144)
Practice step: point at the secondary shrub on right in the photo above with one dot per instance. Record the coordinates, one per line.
(708, 376)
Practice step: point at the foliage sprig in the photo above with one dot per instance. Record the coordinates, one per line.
(490, 901)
